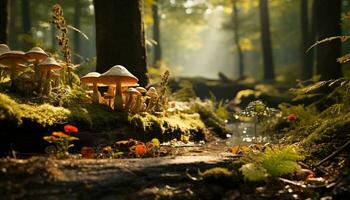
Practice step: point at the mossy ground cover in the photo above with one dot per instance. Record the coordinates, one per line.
(24, 120)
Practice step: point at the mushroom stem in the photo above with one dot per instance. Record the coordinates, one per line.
(129, 102)
(137, 106)
(95, 94)
(150, 104)
(37, 77)
(118, 99)
(47, 85)
(13, 77)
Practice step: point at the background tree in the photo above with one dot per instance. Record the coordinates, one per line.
(156, 34)
(269, 73)
(308, 38)
(26, 24)
(4, 20)
(120, 36)
(327, 24)
(240, 57)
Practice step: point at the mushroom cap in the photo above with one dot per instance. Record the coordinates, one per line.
(141, 89)
(90, 77)
(10, 57)
(36, 53)
(152, 92)
(49, 63)
(55, 75)
(133, 91)
(120, 74)
(4, 48)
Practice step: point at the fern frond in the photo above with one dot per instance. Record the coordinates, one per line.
(343, 38)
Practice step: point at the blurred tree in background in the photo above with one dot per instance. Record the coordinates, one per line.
(4, 20)
(202, 37)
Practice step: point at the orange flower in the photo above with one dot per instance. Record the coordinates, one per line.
(140, 150)
(87, 152)
(59, 134)
(291, 117)
(70, 129)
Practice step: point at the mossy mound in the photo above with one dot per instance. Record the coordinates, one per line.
(26, 123)
(167, 127)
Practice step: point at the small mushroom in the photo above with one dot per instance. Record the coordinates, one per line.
(152, 94)
(132, 93)
(13, 59)
(119, 76)
(92, 78)
(45, 68)
(138, 104)
(36, 55)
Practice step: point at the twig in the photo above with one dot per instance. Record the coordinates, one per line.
(333, 154)
(292, 182)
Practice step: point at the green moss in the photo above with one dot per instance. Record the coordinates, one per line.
(160, 125)
(86, 115)
(217, 174)
(44, 114)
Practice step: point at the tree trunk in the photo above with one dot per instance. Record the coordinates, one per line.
(26, 24)
(120, 36)
(4, 20)
(76, 35)
(13, 32)
(237, 39)
(328, 20)
(307, 40)
(156, 35)
(269, 73)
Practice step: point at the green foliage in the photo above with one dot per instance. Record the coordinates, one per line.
(206, 110)
(305, 114)
(259, 112)
(274, 162)
(252, 172)
(65, 95)
(186, 92)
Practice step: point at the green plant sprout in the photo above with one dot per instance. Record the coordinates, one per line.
(259, 113)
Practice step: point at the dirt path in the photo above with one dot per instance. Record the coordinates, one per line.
(148, 178)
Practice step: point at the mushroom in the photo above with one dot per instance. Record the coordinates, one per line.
(138, 104)
(92, 78)
(13, 59)
(56, 77)
(45, 68)
(4, 48)
(119, 76)
(36, 55)
(152, 94)
(131, 100)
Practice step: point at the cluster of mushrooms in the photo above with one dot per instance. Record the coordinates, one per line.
(33, 69)
(124, 93)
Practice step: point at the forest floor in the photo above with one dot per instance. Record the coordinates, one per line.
(134, 178)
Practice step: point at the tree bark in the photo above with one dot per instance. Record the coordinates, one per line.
(76, 35)
(237, 39)
(307, 40)
(328, 19)
(26, 23)
(120, 36)
(4, 21)
(269, 73)
(156, 35)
